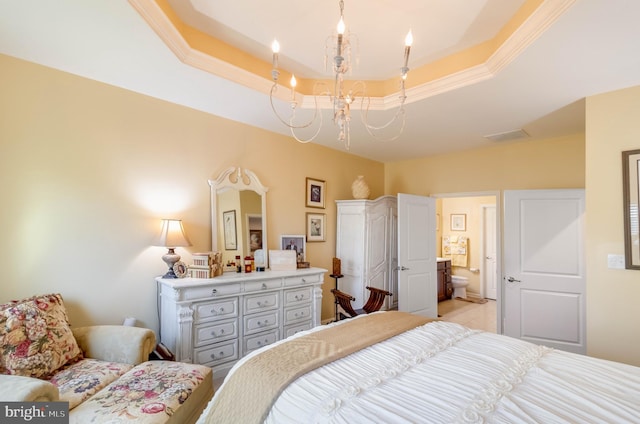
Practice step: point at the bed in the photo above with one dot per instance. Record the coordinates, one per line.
(392, 367)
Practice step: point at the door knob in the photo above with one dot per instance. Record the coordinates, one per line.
(402, 268)
(513, 280)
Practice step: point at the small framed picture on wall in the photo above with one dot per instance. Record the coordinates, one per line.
(458, 222)
(315, 193)
(230, 230)
(315, 226)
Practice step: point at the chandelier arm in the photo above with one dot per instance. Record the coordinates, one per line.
(313, 137)
(364, 114)
(290, 124)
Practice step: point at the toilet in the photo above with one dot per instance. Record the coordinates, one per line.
(459, 285)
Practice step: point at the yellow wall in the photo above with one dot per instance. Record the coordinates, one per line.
(612, 314)
(87, 171)
(552, 163)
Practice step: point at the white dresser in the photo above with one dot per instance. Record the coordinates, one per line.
(216, 321)
(366, 243)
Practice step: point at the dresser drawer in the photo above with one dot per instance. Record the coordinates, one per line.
(261, 302)
(217, 309)
(293, 329)
(195, 293)
(216, 354)
(260, 340)
(297, 296)
(251, 286)
(259, 322)
(292, 315)
(215, 332)
(302, 279)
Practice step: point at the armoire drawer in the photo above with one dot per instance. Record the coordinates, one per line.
(215, 332)
(297, 296)
(217, 309)
(218, 353)
(259, 340)
(255, 323)
(261, 302)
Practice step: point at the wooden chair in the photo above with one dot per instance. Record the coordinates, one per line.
(374, 302)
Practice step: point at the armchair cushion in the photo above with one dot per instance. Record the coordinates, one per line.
(35, 337)
(81, 380)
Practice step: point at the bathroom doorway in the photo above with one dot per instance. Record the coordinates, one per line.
(467, 232)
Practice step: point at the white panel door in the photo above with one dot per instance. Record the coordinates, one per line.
(544, 287)
(417, 290)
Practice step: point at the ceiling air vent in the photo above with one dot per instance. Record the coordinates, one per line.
(509, 135)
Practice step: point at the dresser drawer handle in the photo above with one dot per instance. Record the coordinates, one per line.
(219, 311)
(220, 355)
(266, 342)
(304, 281)
(262, 324)
(264, 286)
(213, 333)
(262, 304)
(214, 292)
(299, 297)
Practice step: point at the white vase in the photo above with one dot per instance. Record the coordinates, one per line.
(360, 189)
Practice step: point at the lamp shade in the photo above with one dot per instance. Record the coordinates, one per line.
(172, 234)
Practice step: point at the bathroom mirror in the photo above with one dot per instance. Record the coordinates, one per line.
(238, 214)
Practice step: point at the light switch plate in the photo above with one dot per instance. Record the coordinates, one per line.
(615, 261)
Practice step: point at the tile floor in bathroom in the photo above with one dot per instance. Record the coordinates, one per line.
(480, 316)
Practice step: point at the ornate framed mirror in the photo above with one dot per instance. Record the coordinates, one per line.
(238, 214)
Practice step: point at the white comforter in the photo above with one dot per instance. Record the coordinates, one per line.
(445, 373)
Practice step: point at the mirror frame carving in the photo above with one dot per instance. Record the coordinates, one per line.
(238, 179)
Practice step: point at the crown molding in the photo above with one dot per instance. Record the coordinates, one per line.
(540, 20)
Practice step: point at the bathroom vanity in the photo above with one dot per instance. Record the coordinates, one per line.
(444, 279)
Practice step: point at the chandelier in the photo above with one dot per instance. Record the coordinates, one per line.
(338, 48)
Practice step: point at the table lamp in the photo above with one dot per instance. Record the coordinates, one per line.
(171, 236)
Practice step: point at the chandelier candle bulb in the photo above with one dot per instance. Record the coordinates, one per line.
(408, 41)
(275, 48)
(293, 83)
(340, 29)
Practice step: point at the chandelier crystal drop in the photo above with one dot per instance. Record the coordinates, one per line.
(338, 49)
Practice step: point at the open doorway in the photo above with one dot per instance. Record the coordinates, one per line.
(467, 235)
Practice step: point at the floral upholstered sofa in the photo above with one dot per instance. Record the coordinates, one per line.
(102, 371)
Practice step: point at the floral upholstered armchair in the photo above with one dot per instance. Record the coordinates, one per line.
(101, 371)
(43, 359)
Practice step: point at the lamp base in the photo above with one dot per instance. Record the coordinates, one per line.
(170, 258)
(170, 274)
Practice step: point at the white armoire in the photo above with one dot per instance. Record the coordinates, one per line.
(366, 244)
